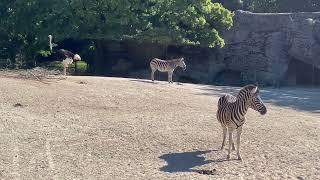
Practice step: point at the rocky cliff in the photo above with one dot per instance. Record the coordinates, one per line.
(262, 46)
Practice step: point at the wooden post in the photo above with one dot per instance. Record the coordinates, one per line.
(166, 51)
(87, 68)
(76, 68)
(313, 75)
(255, 77)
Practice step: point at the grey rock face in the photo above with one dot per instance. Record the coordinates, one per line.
(261, 45)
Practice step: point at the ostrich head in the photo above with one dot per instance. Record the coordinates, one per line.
(76, 57)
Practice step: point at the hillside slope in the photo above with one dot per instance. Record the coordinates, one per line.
(113, 128)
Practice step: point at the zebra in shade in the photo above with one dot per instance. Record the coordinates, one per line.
(231, 113)
(166, 66)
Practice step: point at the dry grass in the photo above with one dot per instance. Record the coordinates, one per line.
(113, 128)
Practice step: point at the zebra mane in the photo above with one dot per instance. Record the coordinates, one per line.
(177, 59)
(249, 87)
(246, 89)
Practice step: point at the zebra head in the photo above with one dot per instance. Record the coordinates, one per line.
(255, 101)
(182, 64)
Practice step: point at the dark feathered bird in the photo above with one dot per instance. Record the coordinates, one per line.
(67, 57)
(62, 54)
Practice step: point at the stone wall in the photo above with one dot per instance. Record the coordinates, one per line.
(264, 44)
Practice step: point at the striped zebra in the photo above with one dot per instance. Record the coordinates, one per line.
(166, 66)
(231, 113)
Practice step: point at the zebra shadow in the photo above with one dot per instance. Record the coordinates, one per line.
(185, 161)
(164, 82)
(144, 81)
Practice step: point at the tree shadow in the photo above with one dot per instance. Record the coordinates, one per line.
(300, 98)
(185, 161)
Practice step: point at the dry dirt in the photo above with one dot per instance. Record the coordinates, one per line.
(114, 128)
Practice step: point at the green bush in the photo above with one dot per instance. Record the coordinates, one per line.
(57, 65)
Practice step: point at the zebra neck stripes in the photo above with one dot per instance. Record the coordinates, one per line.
(242, 103)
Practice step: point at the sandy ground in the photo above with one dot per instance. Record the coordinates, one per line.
(113, 128)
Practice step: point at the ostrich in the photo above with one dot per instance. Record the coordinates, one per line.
(66, 56)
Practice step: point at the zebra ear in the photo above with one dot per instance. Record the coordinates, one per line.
(254, 90)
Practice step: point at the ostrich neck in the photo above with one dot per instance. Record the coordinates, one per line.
(50, 43)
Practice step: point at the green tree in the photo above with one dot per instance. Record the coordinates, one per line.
(25, 24)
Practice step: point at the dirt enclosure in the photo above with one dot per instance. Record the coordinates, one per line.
(113, 128)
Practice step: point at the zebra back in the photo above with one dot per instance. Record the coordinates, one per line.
(224, 100)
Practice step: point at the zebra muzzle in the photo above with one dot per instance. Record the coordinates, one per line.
(263, 111)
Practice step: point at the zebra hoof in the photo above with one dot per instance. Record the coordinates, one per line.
(228, 157)
(239, 158)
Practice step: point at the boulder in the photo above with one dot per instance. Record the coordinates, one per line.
(263, 44)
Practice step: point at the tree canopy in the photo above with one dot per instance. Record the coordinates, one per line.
(25, 24)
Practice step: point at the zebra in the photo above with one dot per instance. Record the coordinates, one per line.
(166, 66)
(231, 113)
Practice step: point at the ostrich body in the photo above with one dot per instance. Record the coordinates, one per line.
(66, 56)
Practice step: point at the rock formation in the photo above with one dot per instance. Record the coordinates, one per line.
(262, 46)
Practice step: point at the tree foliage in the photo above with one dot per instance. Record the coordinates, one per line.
(25, 24)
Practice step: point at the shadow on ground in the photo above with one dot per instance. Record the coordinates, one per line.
(185, 161)
(144, 81)
(305, 99)
(155, 82)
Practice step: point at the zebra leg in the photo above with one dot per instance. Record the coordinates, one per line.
(152, 74)
(239, 131)
(224, 137)
(233, 147)
(169, 76)
(230, 130)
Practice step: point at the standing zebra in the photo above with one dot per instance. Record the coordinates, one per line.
(66, 56)
(166, 66)
(231, 113)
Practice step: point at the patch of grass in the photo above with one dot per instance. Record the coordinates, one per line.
(82, 66)
(57, 65)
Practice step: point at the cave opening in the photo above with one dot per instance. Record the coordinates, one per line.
(300, 73)
(229, 77)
